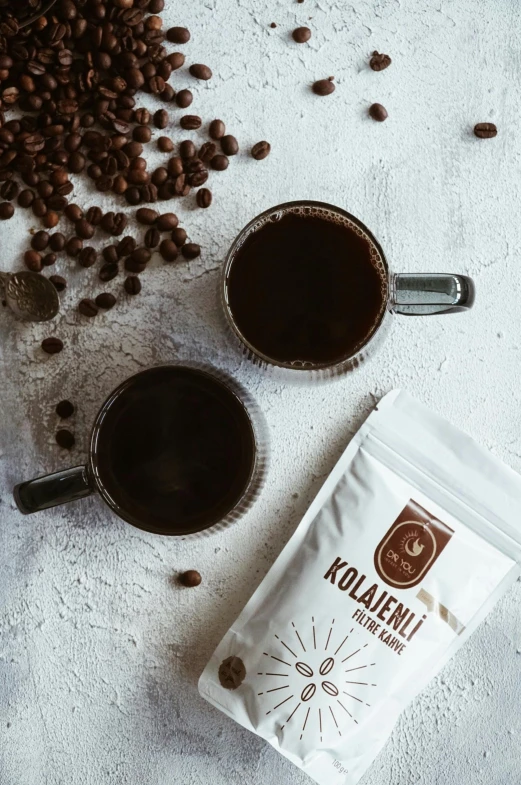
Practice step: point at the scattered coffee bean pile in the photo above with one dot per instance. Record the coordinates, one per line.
(74, 77)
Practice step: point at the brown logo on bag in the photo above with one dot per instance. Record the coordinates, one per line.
(410, 547)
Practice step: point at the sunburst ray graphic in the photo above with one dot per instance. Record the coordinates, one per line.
(310, 666)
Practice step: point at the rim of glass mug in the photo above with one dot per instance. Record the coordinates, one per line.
(419, 294)
(81, 481)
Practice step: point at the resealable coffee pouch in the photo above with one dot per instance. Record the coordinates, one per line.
(409, 543)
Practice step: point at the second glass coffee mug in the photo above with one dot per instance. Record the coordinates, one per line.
(307, 290)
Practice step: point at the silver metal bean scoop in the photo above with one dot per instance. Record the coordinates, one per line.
(30, 296)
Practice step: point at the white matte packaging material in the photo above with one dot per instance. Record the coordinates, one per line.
(409, 543)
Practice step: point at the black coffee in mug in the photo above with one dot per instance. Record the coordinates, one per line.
(307, 287)
(175, 450)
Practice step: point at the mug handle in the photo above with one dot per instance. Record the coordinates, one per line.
(53, 489)
(424, 294)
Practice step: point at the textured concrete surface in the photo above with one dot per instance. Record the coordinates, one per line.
(100, 651)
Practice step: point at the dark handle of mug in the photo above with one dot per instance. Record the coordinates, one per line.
(424, 294)
(52, 490)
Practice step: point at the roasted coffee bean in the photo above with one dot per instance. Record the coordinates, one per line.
(159, 176)
(108, 271)
(379, 62)
(25, 199)
(49, 259)
(485, 130)
(161, 119)
(39, 208)
(204, 197)
(219, 162)
(378, 112)
(229, 145)
(88, 307)
(126, 246)
(152, 237)
(324, 86)
(6, 211)
(176, 60)
(73, 246)
(105, 300)
(207, 152)
(181, 187)
(260, 150)
(165, 144)
(111, 253)
(168, 250)
(200, 71)
(190, 122)
(134, 266)
(167, 222)
(168, 93)
(198, 178)
(9, 190)
(191, 250)
(133, 195)
(59, 282)
(184, 98)
(141, 255)
(108, 223)
(132, 285)
(45, 189)
(94, 215)
(65, 439)
(178, 35)
(73, 212)
(217, 129)
(64, 409)
(40, 241)
(273, 25)
(51, 219)
(141, 116)
(175, 166)
(142, 134)
(187, 149)
(57, 242)
(179, 236)
(301, 35)
(84, 229)
(87, 256)
(146, 216)
(52, 345)
(33, 261)
(190, 578)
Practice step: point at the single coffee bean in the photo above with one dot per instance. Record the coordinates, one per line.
(178, 35)
(159, 176)
(168, 93)
(133, 266)
(156, 84)
(161, 119)
(179, 236)
(168, 250)
(25, 199)
(142, 116)
(324, 86)
(105, 300)
(200, 71)
(52, 345)
(229, 145)
(73, 246)
(57, 242)
(84, 229)
(184, 98)
(260, 150)
(197, 178)
(51, 219)
(167, 222)
(217, 129)
(132, 285)
(49, 259)
(73, 212)
(176, 60)
(378, 112)
(485, 130)
(219, 162)
(65, 439)
(204, 197)
(9, 190)
(87, 256)
(379, 62)
(301, 35)
(141, 255)
(58, 282)
(108, 271)
(64, 409)
(120, 224)
(273, 25)
(33, 261)
(40, 241)
(142, 134)
(146, 216)
(187, 149)
(175, 166)
(88, 307)
(190, 122)
(191, 250)
(111, 253)
(207, 152)
(126, 246)
(94, 215)
(152, 237)
(6, 211)
(190, 578)
(165, 145)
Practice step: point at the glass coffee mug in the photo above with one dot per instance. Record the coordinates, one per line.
(174, 450)
(307, 288)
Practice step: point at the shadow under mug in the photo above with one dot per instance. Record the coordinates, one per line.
(175, 450)
(418, 294)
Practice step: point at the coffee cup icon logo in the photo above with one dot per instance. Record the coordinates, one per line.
(410, 547)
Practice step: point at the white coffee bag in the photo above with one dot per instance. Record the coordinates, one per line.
(411, 540)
